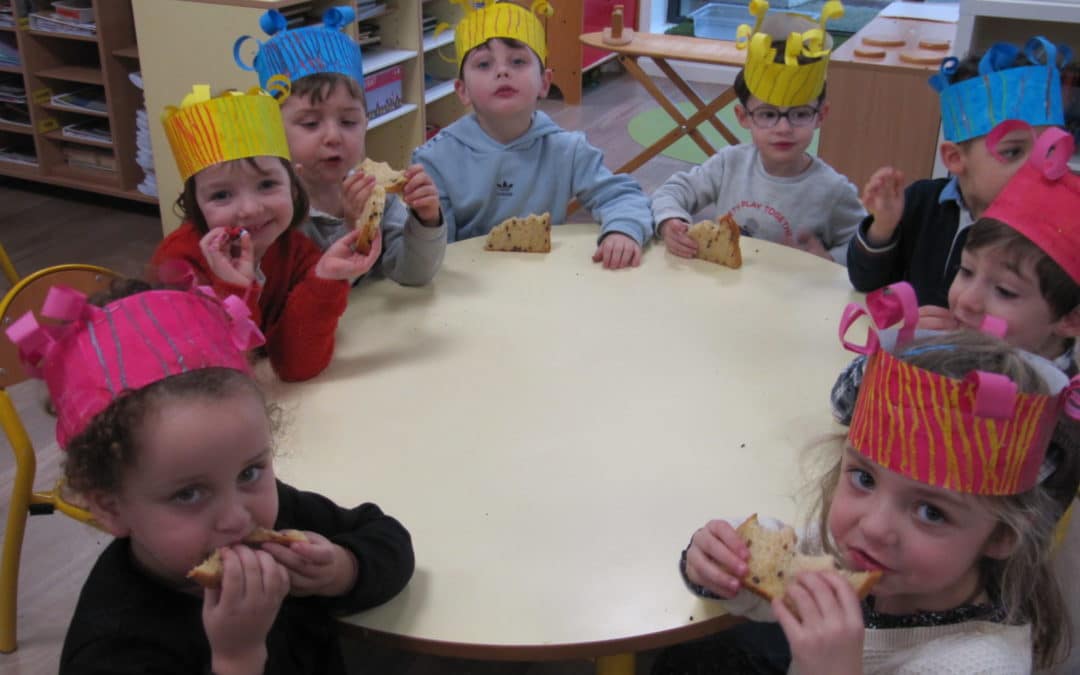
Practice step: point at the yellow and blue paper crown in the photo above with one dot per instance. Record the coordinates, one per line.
(487, 19)
(293, 54)
(971, 108)
(798, 76)
(206, 130)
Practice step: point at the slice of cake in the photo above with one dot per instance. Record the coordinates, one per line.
(718, 241)
(531, 234)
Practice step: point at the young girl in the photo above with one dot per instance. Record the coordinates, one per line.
(938, 488)
(241, 202)
(170, 441)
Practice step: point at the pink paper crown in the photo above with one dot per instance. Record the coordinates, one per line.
(101, 353)
(977, 435)
(1041, 201)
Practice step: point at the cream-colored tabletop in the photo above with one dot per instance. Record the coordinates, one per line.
(551, 433)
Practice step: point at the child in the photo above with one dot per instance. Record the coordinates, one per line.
(234, 162)
(508, 159)
(1019, 265)
(916, 234)
(946, 503)
(325, 122)
(771, 187)
(170, 441)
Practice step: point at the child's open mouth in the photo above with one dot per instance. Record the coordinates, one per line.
(505, 92)
(864, 562)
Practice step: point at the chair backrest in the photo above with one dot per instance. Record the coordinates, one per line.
(29, 295)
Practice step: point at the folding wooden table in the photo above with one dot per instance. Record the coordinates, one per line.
(662, 49)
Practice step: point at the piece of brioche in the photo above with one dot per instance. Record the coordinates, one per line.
(531, 234)
(718, 242)
(370, 219)
(774, 562)
(389, 178)
(208, 573)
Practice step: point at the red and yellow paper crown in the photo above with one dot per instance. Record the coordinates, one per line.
(1041, 201)
(976, 435)
(494, 19)
(207, 130)
(787, 83)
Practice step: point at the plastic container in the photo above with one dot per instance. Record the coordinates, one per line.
(719, 21)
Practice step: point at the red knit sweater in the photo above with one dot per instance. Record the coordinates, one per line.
(297, 311)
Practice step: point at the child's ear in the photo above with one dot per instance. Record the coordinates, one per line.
(462, 92)
(1068, 326)
(1001, 544)
(823, 112)
(106, 509)
(742, 116)
(545, 83)
(953, 158)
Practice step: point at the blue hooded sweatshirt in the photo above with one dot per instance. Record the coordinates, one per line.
(483, 182)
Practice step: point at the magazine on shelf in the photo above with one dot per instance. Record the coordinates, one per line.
(9, 54)
(89, 130)
(18, 156)
(12, 93)
(15, 113)
(87, 98)
(51, 22)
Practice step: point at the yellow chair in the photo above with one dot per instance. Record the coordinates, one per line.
(7, 268)
(26, 295)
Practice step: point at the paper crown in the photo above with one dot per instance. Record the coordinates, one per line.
(787, 83)
(207, 130)
(1041, 201)
(292, 54)
(487, 19)
(102, 353)
(976, 435)
(971, 108)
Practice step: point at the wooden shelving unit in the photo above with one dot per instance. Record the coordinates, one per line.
(165, 28)
(54, 63)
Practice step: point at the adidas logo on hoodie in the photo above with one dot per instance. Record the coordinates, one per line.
(504, 188)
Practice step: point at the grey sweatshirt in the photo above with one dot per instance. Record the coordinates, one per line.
(818, 200)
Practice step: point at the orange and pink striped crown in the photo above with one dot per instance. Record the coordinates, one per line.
(977, 435)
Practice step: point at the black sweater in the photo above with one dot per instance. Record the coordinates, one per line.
(923, 250)
(129, 622)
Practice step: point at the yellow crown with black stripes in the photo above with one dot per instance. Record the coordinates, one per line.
(787, 54)
(489, 19)
(206, 130)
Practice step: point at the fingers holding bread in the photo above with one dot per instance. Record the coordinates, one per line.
(210, 571)
(392, 180)
(717, 241)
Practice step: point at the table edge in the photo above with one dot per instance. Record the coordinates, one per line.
(548, 652)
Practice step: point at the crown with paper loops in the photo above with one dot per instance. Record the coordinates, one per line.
(977, 435)
(487, 19)
(971, 108)
(98, 354)
(1042, 199)
(292, 54)
(796, 77)
(206, 130)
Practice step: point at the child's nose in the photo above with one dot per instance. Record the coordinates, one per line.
(878, 523)
(234, 518)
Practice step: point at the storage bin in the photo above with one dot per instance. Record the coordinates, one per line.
(719, 21)
(382, 91)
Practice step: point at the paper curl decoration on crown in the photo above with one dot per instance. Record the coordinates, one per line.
(788, 82)
(206, 130)
(971, 108)
(101, 353)
(489, 19)
(977, 435)
(293, 54)
(1041, 201)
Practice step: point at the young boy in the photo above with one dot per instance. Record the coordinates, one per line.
(325, 118)
(508, 159)
(771, 187)
(917, 234)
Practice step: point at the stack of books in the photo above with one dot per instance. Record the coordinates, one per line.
(9, 54)
(367, 35)
(51, 22)
(92, 159)
(430, 22)
(18, 155)
(12, 91)
(84, 99)
(88, 130)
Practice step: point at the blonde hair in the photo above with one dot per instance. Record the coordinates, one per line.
(1024, 582)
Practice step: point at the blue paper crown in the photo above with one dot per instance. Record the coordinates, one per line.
(292, 54)
(971, 108)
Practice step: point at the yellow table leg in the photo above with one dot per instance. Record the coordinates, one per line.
(618, 664)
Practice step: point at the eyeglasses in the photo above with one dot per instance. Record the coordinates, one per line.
(767, 117)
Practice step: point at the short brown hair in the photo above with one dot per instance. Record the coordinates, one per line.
(1059, 290)
(187, 207)
(509, 42)
(321, 86)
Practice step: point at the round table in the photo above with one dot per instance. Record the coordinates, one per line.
(551, 433)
